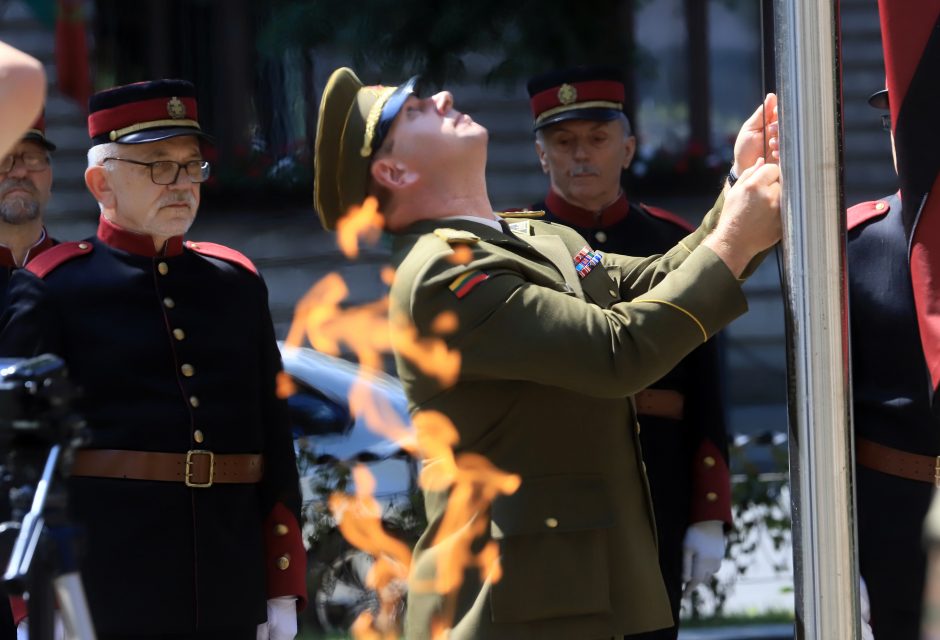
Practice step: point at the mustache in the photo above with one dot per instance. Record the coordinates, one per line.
(179, 197)
(584, 170)
(12, 183)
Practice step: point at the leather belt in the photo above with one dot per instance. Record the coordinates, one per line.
(195, 468)
(895, 462)
(661, 403)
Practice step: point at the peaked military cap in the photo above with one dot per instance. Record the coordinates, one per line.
(37, 133)
(353, 122)
(144, 112)
(879, 99)
(579, 93)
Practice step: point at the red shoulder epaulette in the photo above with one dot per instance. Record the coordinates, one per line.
(864, 211)
(222, 252)
(43, 264)
(669, 216)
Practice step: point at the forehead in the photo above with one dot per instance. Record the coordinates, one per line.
(27, 145)
(171, 147)
(582, 126)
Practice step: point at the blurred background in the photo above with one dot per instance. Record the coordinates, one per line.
(693, 70)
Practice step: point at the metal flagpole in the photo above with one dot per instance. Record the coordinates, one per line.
(821, 461)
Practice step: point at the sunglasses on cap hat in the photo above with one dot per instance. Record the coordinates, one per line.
(390, 110)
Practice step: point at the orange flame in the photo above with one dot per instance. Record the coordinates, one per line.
(359, 222)
(471, 480)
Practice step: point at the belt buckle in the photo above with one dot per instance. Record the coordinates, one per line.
(936, 472)
(205, 485)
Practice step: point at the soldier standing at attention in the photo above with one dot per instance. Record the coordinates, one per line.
(897, 435)
(543, 372)
(187, 493)
(584, 142)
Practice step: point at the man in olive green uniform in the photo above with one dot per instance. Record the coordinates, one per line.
(542, 372)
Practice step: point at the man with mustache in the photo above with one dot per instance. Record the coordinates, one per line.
(25, 189)
(187, 492)
(553, 337)
(584, 143)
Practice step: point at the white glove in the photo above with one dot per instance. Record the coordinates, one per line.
(282, 620)
(865, 609)
(702, 552)
(58, 633)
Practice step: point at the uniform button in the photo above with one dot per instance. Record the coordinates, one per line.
(551, 523)
(179, 334)
(711, 496)
(879, 206)
(82, 245)
(188, 370)
(283, 562)
(198, 437)
(163, 268)
(612, 292)
(709, 461)
(281, 530)
(601, 236)
(638, 428)
(193, 402)
(168, 302)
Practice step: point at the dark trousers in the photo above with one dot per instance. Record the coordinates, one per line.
(891, 514)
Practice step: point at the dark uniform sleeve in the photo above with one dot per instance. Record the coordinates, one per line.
(711, 479)
(285, 556)
(28, 325)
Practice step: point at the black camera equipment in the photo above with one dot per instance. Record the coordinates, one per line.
(39, 435)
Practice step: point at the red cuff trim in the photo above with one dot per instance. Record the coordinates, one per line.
(711, 485)
(18, 605)
(285, 556)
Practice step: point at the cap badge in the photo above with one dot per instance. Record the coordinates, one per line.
(176, 108)
(567, 94)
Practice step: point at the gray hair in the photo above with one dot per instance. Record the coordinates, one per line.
(99, 152)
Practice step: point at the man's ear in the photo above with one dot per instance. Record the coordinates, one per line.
(392, 174)
(97, 179)
(540, 152)
(629, 150)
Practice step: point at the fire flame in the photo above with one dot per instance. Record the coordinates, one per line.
(471, 480)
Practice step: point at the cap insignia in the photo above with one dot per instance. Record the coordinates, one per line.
(176, 108)
(567, 94)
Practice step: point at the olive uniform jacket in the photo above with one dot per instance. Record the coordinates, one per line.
(540, 394)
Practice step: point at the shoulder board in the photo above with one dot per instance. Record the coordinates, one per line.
(222, 252)
(456, 236)
(864, 211)
(668, 216)
(520, 213)
(47, 261)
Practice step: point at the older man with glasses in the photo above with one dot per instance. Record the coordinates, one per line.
(25, 189)
(187, 491)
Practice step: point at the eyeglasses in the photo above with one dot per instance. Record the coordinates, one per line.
(886, 121)
(32, 161)
(164, 172)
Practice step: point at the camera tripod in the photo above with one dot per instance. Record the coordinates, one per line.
(42, 562)
(38, 432)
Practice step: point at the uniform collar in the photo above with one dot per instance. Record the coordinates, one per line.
(139, 244)
(572, 214)
(6, 255)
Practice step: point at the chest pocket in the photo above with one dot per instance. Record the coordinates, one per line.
(601, 286)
